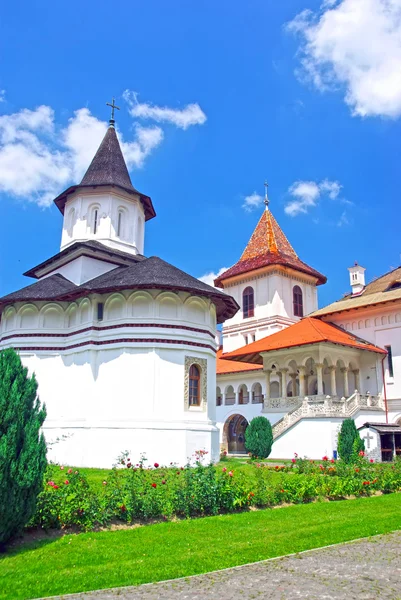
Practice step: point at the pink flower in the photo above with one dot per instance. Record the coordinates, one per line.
(61, 468)
(69, 471)
(230, 474)
(104, 482)
(361, 453)
(293, 460)
(296, 455)
(51, 483)
(129, 465)
(224, 469)
(66, 482)
(156, 465)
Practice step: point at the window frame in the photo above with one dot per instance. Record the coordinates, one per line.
(248, 302)
(297, 301)
(390, 364)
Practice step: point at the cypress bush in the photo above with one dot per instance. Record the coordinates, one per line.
(259, 437)
(349, 441)
(22, 445)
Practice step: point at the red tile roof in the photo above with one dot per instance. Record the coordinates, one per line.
(229, 366)
(268, 246)
(307, 331)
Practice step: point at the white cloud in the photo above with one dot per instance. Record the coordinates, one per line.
(343, 220)
(39, 157)
(306, 195)
(210, 277)
(192, 114)
(2, 95)
(354, 45)
(252, 202)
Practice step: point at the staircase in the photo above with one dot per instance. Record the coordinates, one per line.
(321, 407)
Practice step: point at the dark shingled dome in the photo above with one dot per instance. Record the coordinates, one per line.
(148, 273)
(108, 165)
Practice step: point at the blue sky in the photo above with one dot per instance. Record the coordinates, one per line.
(228, 94)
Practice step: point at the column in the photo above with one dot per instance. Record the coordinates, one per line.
(267, 395)
(237, 397)
(356, 373)
(344, 371)
(224, 398)
(333, 383)
(293, 384)
(319, 371)
(302, 382)
(284, 383)
(280, 384)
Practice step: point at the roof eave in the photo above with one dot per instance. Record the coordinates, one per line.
(146, 201)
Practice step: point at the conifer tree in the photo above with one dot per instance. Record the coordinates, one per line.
(259, 437)
(22, 445)
(349, 441)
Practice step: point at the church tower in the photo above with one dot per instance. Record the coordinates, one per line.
(105, 207)
(273, 287)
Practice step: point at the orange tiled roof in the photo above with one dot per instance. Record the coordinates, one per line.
(268, 246)
(307, 331)
(229, 366)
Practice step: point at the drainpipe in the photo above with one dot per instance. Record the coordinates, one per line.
(384, 388)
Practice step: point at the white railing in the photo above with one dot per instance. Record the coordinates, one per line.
(325, 406)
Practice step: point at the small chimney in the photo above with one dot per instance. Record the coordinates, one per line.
(357, 279)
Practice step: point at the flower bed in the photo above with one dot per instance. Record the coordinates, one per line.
(137, 492)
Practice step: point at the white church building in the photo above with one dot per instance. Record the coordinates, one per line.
(123, 346)
(303, 368)
(125, 349)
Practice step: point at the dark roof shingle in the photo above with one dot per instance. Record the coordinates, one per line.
(48, 288)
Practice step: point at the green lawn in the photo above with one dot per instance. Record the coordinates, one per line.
(76, 563)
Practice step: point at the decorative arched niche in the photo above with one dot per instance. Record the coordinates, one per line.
(194, 310)
(114, 307)
(29, 317)
(140, 305)
(52, 316)
(168, 305)
(9, 319)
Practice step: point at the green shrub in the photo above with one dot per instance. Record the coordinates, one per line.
(349, 441)
(259, 437)
(22, 446)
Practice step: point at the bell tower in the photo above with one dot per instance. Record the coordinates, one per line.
(105, 207)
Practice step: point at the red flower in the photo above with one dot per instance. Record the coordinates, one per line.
(55, 487)
(156, 465)
(66, 482)
(356, 470)
(230, 474)
(251, 494)
(282, 491)
(163, 481)
(276, 467)
(366, 483)
(129, 465)
(361, 453)
(178, 472)
(371, 460)
(224, 469)
(293, 460)
(325, 458)
(154, 485)
(69, 471)
(332, 461)
(123, 508)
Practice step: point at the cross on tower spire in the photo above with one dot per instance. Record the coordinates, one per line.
(266, 196)
(113, 106)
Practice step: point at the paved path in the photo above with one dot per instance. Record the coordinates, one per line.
(364, 570)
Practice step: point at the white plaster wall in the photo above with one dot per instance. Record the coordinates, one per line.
(110, 394)
(381, 326)
(82, 269)
(78, 220)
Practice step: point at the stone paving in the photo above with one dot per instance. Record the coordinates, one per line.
(363, 570)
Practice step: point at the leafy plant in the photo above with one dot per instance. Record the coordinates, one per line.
(22, 446)
(349, 441)
(259, 437)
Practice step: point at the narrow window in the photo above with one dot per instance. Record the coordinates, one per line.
(298, 302)
(100, 310)
(120, 216)
(389, 361)
(194, 386)
(95, 217)
(248, 303)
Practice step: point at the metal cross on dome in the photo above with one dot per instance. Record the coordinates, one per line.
(113, 106)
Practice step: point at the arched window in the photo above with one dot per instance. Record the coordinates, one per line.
(119, 223)
(95, 220)
(194, 386)
(71, 221)
(248, 305)
(298, 302)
